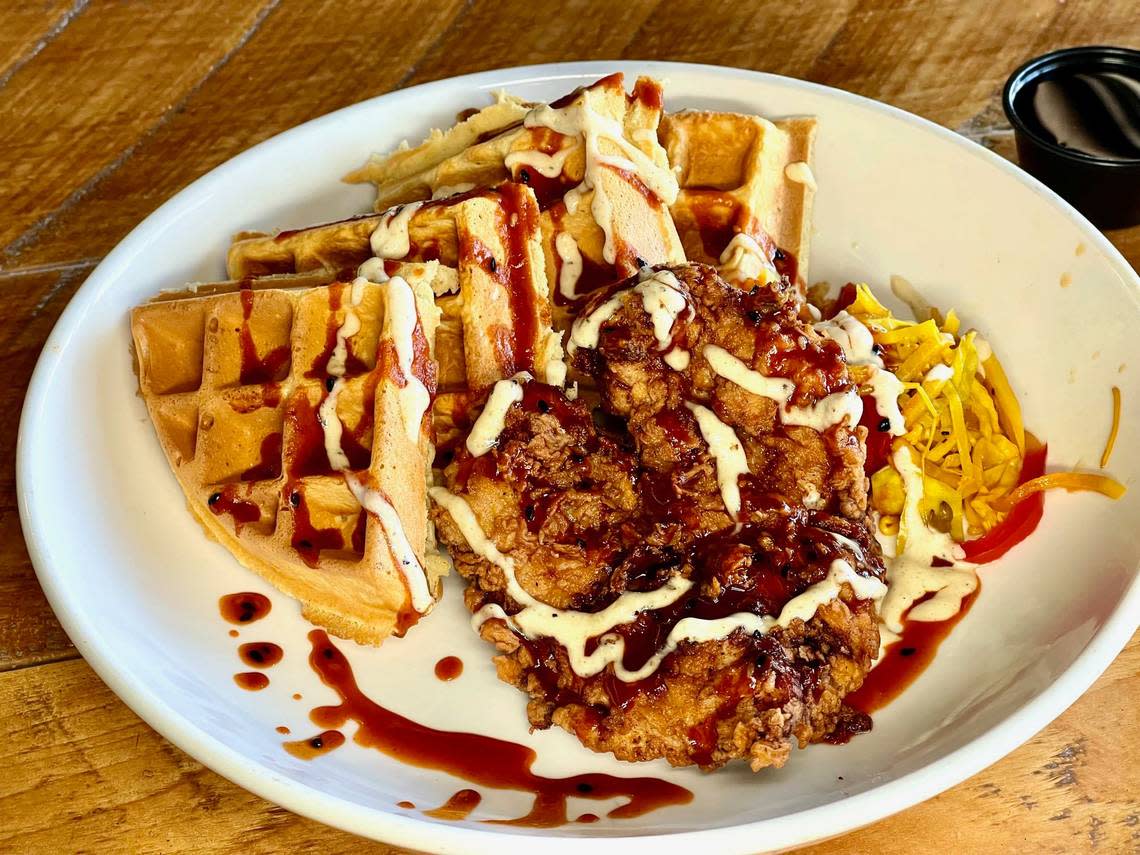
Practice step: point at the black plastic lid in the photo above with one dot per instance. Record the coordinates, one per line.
(1101, 180)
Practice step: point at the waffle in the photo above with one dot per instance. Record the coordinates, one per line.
(503, 226)
(235, 381)
(596, 134)
(743, 175)
(487, 245)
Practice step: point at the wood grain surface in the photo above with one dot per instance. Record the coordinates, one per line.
(109, 108)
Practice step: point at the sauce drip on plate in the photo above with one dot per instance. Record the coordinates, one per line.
(448, 668)
(245, 607)
(904, 660)
(482, 760)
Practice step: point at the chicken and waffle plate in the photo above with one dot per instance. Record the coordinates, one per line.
(694, 501)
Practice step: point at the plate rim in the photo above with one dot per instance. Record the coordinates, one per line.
(824, 821)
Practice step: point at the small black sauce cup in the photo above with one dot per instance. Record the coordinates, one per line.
(1106, 190)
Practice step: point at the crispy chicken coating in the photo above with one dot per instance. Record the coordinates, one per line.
(590, 505)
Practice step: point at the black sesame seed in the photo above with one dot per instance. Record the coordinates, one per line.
(641, 262)
(295, 499)
(761, 661)
(329, 383)
(581, 543)
(543, 405)
(779, 255)
(908, 651)
(317, 742)
(753, 315)
(524, 176)
(876, 348)
(755, 290)
(214, 499)
(585, 788)
(493, 265)
(884, 425)
(577, 458)
(528, 512)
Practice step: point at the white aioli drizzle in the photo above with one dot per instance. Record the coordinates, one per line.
(547, 165)
(744, 261)
(802, 607)
(408, 564)
(398, 294)
(820, 416)
(485, 432)
(663, 301)
(400, 320)
(571, 269)
(853, 336)
(443, 191)
(800, 173)
(390, 237)
(938, 373)
(330, 422)
(661, 298)
(726, 450)
(573, 629)
(373, 270)
(859, 349)
(580, 120)
(677, 359)
(910, 576)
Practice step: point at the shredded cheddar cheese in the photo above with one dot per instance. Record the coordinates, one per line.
(1115, 428)
(963, 426)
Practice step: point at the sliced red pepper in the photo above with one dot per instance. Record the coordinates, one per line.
(845, 298)
(1019, 523)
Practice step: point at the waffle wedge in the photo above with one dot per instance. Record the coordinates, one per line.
(238, 384)
(601, 180)
(746, 192)
(487, 245)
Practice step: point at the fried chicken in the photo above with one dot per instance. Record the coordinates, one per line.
(595, 507)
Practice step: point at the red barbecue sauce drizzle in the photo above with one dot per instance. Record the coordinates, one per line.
(904, 660)
(353, 364)
(251, 681)
(308, 540)
(458, 807)
(260, 654)
(482, 760)
(520, 221)
(719, 218)
(547, 191)
(449, 668)
(257, 370)
(246, 607)
(268, 468)
(226, 501)
(315, 746)
(594, 275)
(648, 93)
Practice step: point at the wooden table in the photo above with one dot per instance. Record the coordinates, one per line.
(108, 109)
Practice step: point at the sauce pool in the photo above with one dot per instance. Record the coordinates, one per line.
(482, 760)
(904, 660)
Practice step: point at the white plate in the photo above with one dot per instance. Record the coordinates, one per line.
(136, 584)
